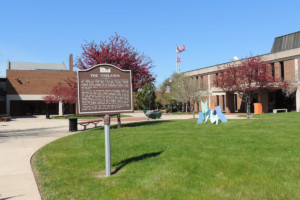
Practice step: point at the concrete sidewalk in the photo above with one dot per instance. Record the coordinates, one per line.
(19, 140)
(22, 137)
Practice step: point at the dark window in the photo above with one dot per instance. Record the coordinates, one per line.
(235, 101)
(218, 102)
(273, 69)
(282, 69)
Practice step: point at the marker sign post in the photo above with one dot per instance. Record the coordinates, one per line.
(105, 90)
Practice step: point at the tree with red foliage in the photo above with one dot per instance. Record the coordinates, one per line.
(247, 77)
(65, 92)
(117, 51)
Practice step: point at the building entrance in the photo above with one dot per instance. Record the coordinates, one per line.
(19, 108)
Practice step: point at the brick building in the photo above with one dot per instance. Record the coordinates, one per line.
(26, 84)
(285, 60)
(2, 94)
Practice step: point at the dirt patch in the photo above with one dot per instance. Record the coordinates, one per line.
(103, 173)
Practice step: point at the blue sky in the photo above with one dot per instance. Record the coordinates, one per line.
(212, 31)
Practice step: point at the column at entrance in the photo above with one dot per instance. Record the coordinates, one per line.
(60, 108)
(8, 106)
(298, 99)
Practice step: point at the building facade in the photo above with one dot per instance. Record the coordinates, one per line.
(27, 84)
(285, 61)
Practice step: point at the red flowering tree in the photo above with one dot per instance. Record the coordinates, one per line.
(65, 92)
(117, 51)
(247, 77)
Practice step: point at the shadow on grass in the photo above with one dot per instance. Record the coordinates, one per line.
(132, 124)
(127, 161)
(6, 198)
(143, 123)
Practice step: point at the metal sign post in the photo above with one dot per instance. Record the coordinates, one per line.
(105, 90)
(107, 145)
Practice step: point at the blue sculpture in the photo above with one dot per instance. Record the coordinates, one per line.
(220, 114)
(204, 108)
(200, 118)
(210, 114)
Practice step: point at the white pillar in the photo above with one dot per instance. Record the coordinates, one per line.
(296, 70)
(60, 108)
(298, 99)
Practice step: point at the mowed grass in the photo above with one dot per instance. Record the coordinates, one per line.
(240, 159)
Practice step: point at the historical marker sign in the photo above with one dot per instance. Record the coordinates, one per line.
(104, 89)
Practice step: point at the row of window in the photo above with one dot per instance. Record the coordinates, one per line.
(273, 73)
(281, 63)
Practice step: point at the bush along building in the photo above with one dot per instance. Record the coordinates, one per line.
(27, 84)
(284, 60)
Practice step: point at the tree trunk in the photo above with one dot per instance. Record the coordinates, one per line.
(119, 120)
(193, 109)
(248, 101)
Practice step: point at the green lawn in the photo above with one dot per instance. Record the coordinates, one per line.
(241, 159)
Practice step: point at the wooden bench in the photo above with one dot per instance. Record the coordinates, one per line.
(5, 118)
(87, 122)
(279, 109)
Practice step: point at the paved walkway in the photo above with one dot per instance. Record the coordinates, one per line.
(22, 137)
(19, 140)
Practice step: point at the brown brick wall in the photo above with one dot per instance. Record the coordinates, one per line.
(212, 80)
(205, 82)
(213, 100)
(289, 70)
(196, 106)
(34, 82)
(277, 70)
(199, 80)
(239, 103)
(221, 102)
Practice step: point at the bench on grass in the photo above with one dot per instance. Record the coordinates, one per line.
(87, 122)
(279, 109)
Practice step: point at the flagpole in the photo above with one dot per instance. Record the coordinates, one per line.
(176, 59)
